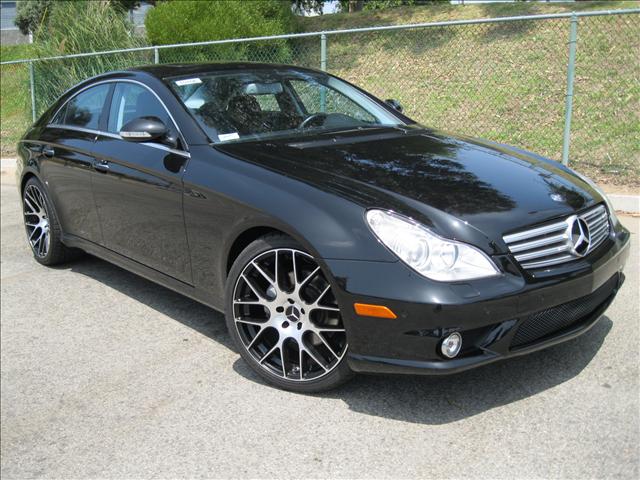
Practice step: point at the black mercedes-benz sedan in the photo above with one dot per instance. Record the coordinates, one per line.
(337, 234)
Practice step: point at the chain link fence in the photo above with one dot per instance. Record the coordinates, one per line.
(501, 79)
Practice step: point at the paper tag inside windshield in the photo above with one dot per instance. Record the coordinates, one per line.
(228, 136)
(188, 81)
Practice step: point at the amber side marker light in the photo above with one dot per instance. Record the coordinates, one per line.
(379, 311)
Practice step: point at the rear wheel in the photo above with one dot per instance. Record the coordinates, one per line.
(41, 223)
(284, 317)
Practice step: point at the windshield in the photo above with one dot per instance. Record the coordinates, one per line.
(254, 105)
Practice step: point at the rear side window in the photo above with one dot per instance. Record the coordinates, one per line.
(131, 101)
(84, 109)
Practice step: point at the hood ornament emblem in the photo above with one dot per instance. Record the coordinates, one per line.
(579, 236)
(556, 197)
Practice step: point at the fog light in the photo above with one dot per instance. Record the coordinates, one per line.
(451, 345)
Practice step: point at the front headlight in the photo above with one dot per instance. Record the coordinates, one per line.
(427, 253)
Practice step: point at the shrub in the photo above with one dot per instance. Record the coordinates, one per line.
(77, 27)
(30, 14)
(193, 21)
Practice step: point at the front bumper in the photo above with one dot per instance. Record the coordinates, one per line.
(498, 318)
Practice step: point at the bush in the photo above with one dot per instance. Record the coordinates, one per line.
(193, 21)
(77, 27)
(30, 14)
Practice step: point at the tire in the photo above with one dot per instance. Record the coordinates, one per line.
(44, 234)
(284, 319)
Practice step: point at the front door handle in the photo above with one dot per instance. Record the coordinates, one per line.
(101, 166)
(48, 152)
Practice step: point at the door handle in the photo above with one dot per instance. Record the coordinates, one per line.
(48, 152)
(101, 166)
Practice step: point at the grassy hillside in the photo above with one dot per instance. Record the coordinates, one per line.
(445, 11)
(505, 82)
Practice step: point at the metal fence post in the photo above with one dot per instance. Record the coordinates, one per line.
(323, 67)
(573, 36)
(323, 52)
(32, 87)
(156, 55)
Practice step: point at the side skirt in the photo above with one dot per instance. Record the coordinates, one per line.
(141, 270)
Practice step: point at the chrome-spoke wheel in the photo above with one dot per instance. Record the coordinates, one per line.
(287, 316)
(36, 220)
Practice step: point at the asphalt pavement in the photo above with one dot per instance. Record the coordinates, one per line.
(105, 374)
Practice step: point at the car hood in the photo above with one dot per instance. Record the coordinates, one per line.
(452, 184)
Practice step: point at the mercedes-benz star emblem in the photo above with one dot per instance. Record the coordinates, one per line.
(292, 313)
(580, 237)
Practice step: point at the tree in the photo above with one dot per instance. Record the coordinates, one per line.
(357, 5)
(383, 4)
(351, 5)
(302, 6)
(32, 14)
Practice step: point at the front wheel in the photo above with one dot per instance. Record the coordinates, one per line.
(284, 318)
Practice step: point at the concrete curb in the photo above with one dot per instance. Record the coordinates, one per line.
(625, 203)
(7, 163)
(622, 203)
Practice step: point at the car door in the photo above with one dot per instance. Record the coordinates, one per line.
(66, 161)
(138, 187)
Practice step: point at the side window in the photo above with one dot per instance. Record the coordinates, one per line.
(131, 101)
(84, 109)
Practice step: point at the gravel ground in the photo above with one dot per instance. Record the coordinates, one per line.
(105, 374)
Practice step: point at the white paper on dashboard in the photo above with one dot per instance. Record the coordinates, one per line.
(228, 136)
(188, 81)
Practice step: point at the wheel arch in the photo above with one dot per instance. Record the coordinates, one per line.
(246, 233)
(25, 178)
(244, 239)
(29, 174)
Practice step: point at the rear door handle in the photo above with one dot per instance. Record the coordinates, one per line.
(101, 166)
(48, 152)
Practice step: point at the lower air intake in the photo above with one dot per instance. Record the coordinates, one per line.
(552, 320)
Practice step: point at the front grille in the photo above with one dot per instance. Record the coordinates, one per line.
(555, 243)
(552, 320)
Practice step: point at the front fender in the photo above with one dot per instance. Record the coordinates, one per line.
(239, 195)
(225, 197)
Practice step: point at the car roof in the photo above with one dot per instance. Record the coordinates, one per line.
(174, 70)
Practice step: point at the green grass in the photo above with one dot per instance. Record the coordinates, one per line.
(15, 52)
(15, 106)
(505, 82)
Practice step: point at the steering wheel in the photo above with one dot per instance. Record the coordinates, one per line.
(312, 118)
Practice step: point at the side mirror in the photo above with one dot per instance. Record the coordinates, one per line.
(395, 104)
(144, 129)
